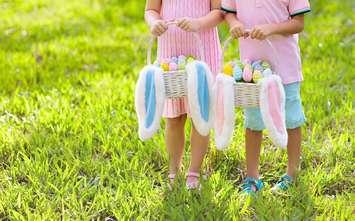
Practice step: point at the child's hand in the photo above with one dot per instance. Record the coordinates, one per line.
(238, 30)
(189, 24)
(158, 27)
(261, 32)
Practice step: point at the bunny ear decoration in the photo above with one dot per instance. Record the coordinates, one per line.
(199, 93)
(272, 107)
(149, 100)
(224, 110)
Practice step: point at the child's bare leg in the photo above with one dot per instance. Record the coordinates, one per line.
(293, 150)
(199, 146)
(253, 143)
(175, 141)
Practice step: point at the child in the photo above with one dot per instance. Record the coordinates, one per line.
(200, 16)
(279, 21)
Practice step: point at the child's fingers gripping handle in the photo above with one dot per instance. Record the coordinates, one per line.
(195, 35)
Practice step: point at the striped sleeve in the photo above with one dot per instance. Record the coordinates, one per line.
(229, 6)
(298, 7)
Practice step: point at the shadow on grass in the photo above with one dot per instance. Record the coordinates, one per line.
(182, 204)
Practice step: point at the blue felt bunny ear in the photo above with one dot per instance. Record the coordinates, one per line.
(149, 100)
(199, 84)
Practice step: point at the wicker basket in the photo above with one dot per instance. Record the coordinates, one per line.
(175, 81)
(246, 94)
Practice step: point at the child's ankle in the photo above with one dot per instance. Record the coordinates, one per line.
(292, 174)
(253, 175)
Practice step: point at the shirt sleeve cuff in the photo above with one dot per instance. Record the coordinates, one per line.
(225, 9)
(300, 12)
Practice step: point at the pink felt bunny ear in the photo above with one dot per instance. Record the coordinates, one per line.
(223, 91)
(272, 107)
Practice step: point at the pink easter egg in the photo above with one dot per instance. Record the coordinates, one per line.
(247, 73)
(173, 66)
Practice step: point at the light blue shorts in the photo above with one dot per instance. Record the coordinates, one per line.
(294, 110)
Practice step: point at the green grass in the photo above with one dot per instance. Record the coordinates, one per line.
(68, 132)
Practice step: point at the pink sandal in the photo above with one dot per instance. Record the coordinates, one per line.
(192, 181)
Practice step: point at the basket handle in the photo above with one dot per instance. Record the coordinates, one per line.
(170, 23)
(228, 41)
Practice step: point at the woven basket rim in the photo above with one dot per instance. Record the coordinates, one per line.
(174, 72)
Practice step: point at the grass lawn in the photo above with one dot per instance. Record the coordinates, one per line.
(69, 147)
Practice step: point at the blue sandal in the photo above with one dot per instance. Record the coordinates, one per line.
(251, 185)
(283, 184)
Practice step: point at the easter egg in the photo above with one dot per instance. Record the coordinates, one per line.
(174, 59)
(181, 66)
(165, 66)
(228, 69)
(173, 66)
(256, 64)
(190, 59)
(257, 76)
(258, 67)
(267, 72)
(237, 73)
(247, 73)
(265, 65)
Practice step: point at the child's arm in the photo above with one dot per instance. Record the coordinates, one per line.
(236, 28)
(208, 21)
(152, 17)
(293, 26)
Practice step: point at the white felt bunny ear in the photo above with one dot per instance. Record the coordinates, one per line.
(199, 94)
(149, 100)
(272, 107)
(223, 91)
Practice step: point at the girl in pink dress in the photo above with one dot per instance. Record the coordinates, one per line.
(202, 17)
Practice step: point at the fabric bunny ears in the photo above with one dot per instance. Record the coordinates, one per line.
(150, 95)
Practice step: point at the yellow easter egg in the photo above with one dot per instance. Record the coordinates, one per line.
(165, 67)
(257, 76)
(228, 69)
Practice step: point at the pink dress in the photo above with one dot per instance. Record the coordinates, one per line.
(177, 42)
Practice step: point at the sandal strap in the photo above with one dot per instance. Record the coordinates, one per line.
(193, 174)
(172, 176)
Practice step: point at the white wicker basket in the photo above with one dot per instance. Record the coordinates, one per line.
(246, 94)
(175, 81)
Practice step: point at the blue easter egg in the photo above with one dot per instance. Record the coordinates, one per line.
(174, 59)
(258, 67)
(256, 64)
(237, 73)
(267, 72)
